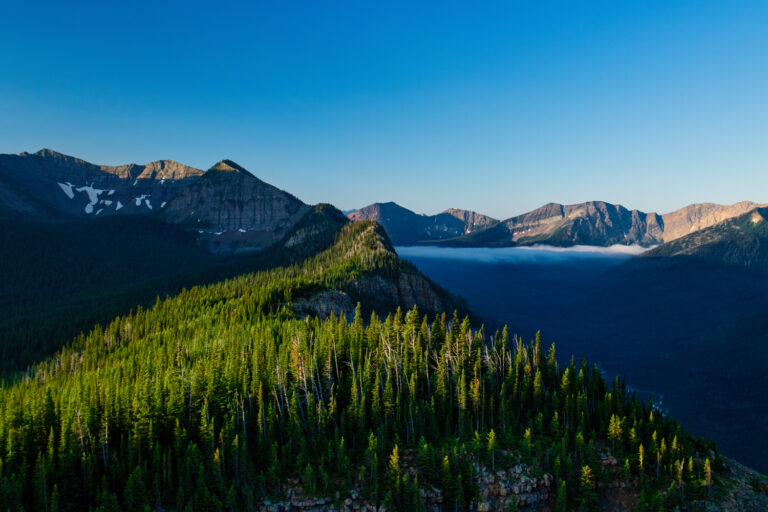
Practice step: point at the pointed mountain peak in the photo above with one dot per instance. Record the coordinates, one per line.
(49, 153)
(228, 166)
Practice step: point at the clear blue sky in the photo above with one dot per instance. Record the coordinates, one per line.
(493, 107)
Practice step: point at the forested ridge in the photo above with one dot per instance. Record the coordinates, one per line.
(104, 267)
(215, 398)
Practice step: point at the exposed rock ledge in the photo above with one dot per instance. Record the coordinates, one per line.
(500, 490)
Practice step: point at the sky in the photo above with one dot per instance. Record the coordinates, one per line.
(494, 107)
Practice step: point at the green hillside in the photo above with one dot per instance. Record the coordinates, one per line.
(104, 267)
(224, 398)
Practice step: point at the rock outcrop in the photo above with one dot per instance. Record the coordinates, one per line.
(517, 487)
(324, 304)
(406, 287)
(500, 489)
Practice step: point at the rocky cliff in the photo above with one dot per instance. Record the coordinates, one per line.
(590, 223)
(696, 217)
(232, 209)
(403, 286)
(740, 241)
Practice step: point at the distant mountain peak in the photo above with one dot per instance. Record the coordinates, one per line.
(228, 166)
(51, 154)
(47, 152)
(405, 227)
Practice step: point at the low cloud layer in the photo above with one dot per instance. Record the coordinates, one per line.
(533, 254)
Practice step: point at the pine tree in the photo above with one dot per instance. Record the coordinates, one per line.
(587, 495)
(492, 448)
(561, 502)
(394, 462)
(615, 431)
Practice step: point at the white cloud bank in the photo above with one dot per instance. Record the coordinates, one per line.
(532, 254)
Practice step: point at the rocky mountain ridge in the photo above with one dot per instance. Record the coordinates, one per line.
(406, 227)
(741, 241)
(590, 223)
(78, 188)
(228, 208)
(699, 216)
(231, 210)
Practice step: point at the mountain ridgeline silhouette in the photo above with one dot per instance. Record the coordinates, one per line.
(590, 223)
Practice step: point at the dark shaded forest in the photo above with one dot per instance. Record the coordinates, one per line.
(61, 277)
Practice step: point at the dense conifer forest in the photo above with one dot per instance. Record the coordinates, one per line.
(104, 267)
(215, 398)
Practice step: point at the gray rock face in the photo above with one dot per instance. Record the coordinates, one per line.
(229, 199)
(227, 207)
(738, 241)
(82, 189)
(591, 223)
(517, 487)
(696, 217)
(405, 227)
(407, 287)
(324, 304)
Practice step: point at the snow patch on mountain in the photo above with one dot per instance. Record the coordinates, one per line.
(67, 188)
(93, 196)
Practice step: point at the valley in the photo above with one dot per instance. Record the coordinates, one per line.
(692, 333)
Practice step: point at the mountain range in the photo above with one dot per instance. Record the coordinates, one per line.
(227, 208)
(590, 223)
(81, 243)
